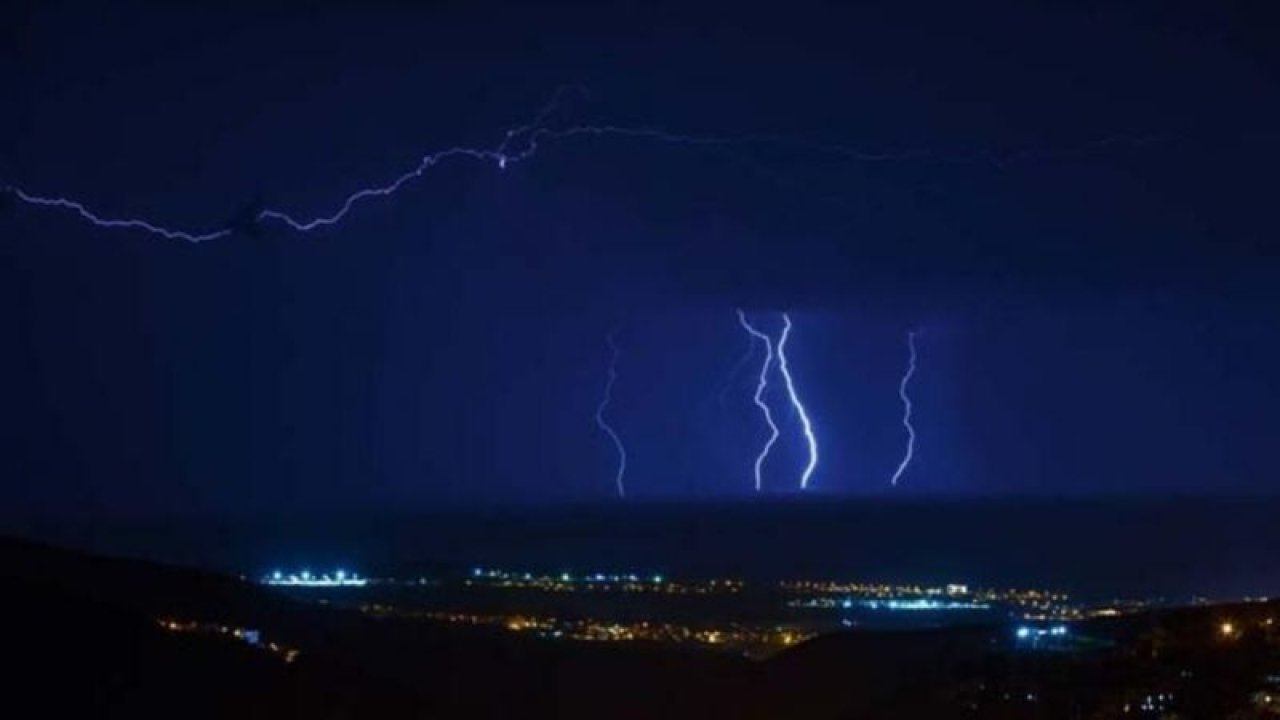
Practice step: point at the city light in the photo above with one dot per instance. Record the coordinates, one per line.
(921, 604)
(248, 636)
(340, 578)
(1029, 604)
(630, 582)
(752, 641)
(1053, 636)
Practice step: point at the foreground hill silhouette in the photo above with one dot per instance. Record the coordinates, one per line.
(86, 639)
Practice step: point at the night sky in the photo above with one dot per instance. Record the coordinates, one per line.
(1080, 221)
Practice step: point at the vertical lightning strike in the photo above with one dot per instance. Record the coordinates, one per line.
(722, 388)
(604, 424)
(906, 408)
(758, 398)
(795, 402)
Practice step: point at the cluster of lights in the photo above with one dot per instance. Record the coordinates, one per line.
(1153, 702)
(866, 589)
(1119, 607)
(1232, 629)
(912, 604)
(566, 577)
(339, 578)
(245, 635)
(1031, 604)
(920, 604)
(1035, 634)
(597, 582)
(754, 641)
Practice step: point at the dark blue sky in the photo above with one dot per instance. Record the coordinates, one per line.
(1097, 316)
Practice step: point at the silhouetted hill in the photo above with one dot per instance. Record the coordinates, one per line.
(85, 641)
(102, 612)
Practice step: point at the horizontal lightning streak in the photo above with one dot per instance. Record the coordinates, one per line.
(89, 215)
(528, 138)
(498, 155)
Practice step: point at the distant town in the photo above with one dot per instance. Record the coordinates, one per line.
(733, 615)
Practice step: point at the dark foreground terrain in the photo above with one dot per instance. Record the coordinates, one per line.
(101, 637)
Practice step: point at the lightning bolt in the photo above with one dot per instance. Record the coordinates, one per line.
(522, 143)
(501, 155)
(721, 389)
(604, 424)
(761, 386)
(805, 424)
(103, 222)
(906, 408)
